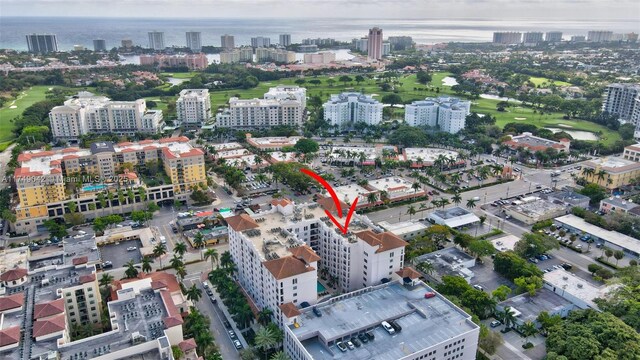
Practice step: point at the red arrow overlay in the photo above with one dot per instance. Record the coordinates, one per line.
(326, 185)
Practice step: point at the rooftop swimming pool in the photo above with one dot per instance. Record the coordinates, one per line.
(94, 187)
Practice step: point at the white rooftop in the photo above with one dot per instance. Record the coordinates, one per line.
(275, 141)
(614, 237)
(580, 288)
(404, 227)
(428, 155)
(226, 146)
(505, 243)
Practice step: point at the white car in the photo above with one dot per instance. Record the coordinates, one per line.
(132, 248)
(388, 327)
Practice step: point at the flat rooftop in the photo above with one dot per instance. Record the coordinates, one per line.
(530, 307)
(226, 146)
(79, 247)
(348, 193)
(226, 154)
(428, 155)
(425, 322)
(49, 281)
(614, 237)
(393, 184)
(9, 258)
(404, 227)
(537, 207)
(620, 203)
(454, 217)
(575, 286)
(613, 164)
(274, 141)
(505, 243)
(279, 156)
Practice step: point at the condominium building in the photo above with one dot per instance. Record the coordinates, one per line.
(532, 38)
(285, 40)
(611, 172)
(553, 36)
(346, 109)
(282, 105)
(42, 177)
(86, 113)
(361, 44)
(447, 113)
(227, 42)
(243, 54)
(126, 43)
(599, 36)
(324, 57)
(190, 61)
(400, 43)
(156, 40)
(99, 45)
(578, 38)
(386, 49)
(193, 107)
(260, 41)
(193, 41)
(319, 41)
(432, 326)
(279, 253)
(623, 100)
(307, 48)
(265, 54)
(374, 45)
(42, 43)
(507, 38)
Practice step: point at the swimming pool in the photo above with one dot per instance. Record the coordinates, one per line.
(321, 288)
(94, 187)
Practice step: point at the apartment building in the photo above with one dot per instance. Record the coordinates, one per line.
(346, 109)
(42, 43)
(553, 36)
(99, 45)
(324, 57)
(42, 178)
(279, 252)
(611, 172)
(374, 44)
(507, 38)
(400, 43)
(193, 107)
(191, 61)
(447, 113)
(284, 40)
(282, 105)
(193, 41)
(232, 56)
(260, 41)
(86, 113)
(599, 36)
(264, 54)
(532, 38)
(623, 100)
(227, 42)
(632, 152)
(156, 40)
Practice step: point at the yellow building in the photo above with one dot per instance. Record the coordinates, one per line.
(611, 172)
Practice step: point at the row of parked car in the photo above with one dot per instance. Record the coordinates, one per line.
(355, 341)
(232, 334)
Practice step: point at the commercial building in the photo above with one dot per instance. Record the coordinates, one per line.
(611, 172)
(406, 230)
(532, 209)
(100, 170)
(193, 107)
(505, 243)
(569, 198)
(507, 38)
(243, 54)
(346, 109)
(532, 38)
(280, 252)
(528, 141)
(191, 61)
(432, 328)
(453, 217)
(86, 113)
(193, 41)
(282, 105)
(227, 42)
(526, 308)
(611, 239)
(264, 54)
(449, 262)
(363, 155)
(446, 113)
(284, 40)
(99, 45)
(553, 36)
(399, 43)
(599, 36)
(272, 143)
(395, 189)
(425, 157)
(617, 205)
(374, 44)
(260, 41)
(156, 40)
(42, 43)
(578, 291)
(623, 100)
(324, 57)
(632, 152)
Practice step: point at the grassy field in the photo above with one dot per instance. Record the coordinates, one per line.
(187, 75)
(15, 108)
(537, 81)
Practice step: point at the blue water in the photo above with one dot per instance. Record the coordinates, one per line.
(321, 288)
(94, 187)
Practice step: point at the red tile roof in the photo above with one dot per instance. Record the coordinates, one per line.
(384, 241)
(47, 309)
(408, 272)
(281, 202)
(328, 204)
(172, 321)
(49, 326)
(305, 253)
(70, 150)
(242, 222)
(187, 345)
(87, 278)
(9, 336)
(11, 302)
(289, 310)
(160, 278)
(286, 267)
(14, 274)
(80, 260)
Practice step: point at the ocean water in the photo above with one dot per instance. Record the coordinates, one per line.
(82, 31)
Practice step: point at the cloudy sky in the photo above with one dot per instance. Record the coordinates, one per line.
(490, 9)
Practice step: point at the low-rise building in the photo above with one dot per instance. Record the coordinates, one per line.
(611, 172)
(578, 291)
(395, 189)
(632, 152)
(272, 143)
(406, 230)
(568, 198)
(324, 57)
(526, 308)
(532, 209)
(191, 61)
(425, 157)
(533, 143)
(363, 155)
(505, 243)
(454, 217)
(432, 326)
(616, 204)
(448, 261)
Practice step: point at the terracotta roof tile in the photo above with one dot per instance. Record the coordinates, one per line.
(80, 260)
(281, 202)
(328, 204)
(242, 222)
(87, 278)
(408, 272)
(305, 253)
(286, 267)
(9, 336)
(14, 274)
(172, 321)
(384, 241)
(49, 326)
(187, 345)
(289, 310)
(47, 309)
(11, 302)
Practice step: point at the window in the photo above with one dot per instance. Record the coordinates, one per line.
(295, 281)
(391, 254)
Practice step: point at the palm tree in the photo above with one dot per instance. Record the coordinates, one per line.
(131, 271)
(457, 199)
(422, 207)
(528, 329)
(411, 210)
(372, 198)
(226, 261)
(198, 240)
(426, 267)
(158, 251)
(243, 316)
(105, 280)
(264, 316)
(180, 249)
(265, 339)
(471, 203)
(181, 271)
(444, 202)
(146, 264)
(280, 355)
(600, 175)
(176, 262)
(416, 186)
(508, 318)
(213, 255)
(194, 293)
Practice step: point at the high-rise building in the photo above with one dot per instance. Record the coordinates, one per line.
(282, 105)
(156, 40)
(507, 38)
(227, 42)
(319, 41)
(193, 41)
(532, 38)
(578, 38)
(243, 54)
(346, 109)
(447, 113)
(191, 61)
(374, 45)
(193, 107)
(400, 43)
(285, 40)
(386, 48)
(260, 41)
(631, 37)
(42, 43)
(86, 113)
(275, 55)
(99, 45)
(361, 44)
(599, 36)
(553, 36)
(623, 100)
(325, 57)
(126, 43)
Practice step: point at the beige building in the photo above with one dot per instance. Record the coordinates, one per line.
(611, 172)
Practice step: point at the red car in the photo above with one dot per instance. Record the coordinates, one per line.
(429, 295)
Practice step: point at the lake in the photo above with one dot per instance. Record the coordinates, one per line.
(577, 134)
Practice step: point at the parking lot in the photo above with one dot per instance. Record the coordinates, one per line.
(254, 186)
(119, 255)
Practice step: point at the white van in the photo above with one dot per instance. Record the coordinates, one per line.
(388, 327)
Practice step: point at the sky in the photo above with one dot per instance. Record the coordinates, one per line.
(383, 9)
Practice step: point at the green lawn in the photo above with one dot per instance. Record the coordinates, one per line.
(537, 81)
(187, 75)
(8, 111)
